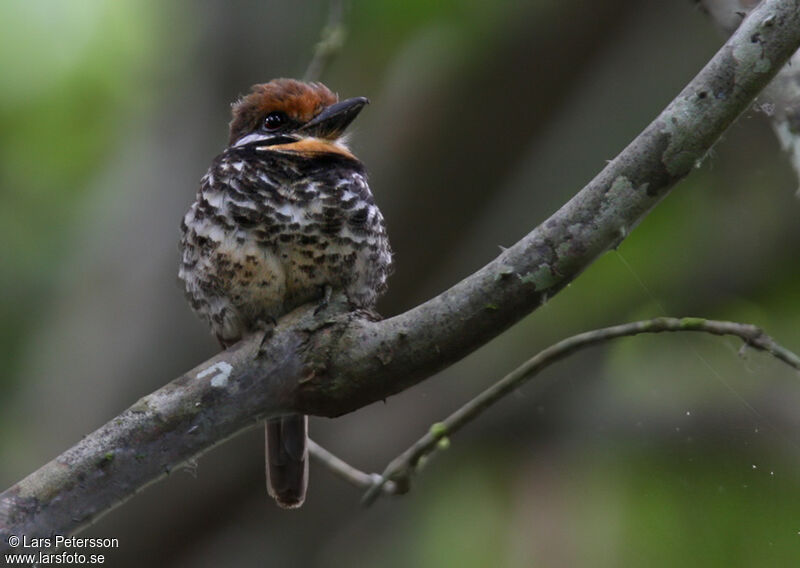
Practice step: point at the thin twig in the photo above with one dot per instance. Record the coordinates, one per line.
(407, 463)
(347, 472)
(330, 44)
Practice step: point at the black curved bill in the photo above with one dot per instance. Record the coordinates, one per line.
(332, 121)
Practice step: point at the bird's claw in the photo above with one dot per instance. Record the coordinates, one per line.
(325, 301)
(268, 328)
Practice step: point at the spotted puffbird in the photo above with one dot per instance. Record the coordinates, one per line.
(283, 217)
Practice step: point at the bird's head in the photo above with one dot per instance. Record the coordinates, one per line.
(293, 116)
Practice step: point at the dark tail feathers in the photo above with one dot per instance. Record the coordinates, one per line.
(287, 459)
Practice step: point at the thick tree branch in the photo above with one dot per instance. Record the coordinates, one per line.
(331, 364)
(405, 465)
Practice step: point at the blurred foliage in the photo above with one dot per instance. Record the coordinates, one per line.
(675, 504)
(387, 24)
(663, 451)
(75, 74)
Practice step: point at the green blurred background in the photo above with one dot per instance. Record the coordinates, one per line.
(485, 117)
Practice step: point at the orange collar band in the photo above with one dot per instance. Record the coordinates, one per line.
(312, 146)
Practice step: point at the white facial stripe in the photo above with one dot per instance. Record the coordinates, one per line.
(270, 138)
(254, 137)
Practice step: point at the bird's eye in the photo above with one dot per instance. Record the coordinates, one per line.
(274, 120)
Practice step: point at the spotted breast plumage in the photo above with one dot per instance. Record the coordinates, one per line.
(283, 217)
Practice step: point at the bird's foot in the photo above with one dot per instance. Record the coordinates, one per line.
(268, 329)
(325, 301)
